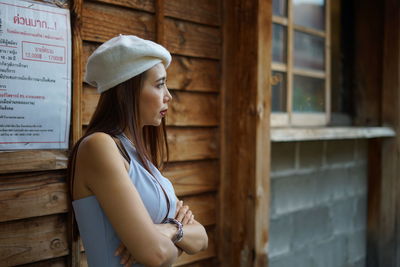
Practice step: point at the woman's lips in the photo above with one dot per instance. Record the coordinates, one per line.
(163, 112)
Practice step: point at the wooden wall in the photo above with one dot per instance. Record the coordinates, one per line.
(33, 193)
(190, 30)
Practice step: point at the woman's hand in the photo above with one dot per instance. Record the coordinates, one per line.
(183, 213)
(126, 258)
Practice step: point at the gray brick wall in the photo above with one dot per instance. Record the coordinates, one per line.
(318, 204)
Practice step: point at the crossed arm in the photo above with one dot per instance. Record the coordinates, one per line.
(195, 237)
(102, 168)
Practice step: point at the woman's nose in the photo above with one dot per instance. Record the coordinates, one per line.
(168, 96)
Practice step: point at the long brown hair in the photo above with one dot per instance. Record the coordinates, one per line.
(118, 111)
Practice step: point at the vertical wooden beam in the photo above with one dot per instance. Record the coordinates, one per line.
(262, 131)
(384, 191)
(389, 244)
(160, 22)
(76, 12)
(368, 62)
(245, 144)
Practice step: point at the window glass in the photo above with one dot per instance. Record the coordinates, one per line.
(309, 13)
(308, 94)
(308, 51)
(278, 81)
(279, 8)
(279, 41)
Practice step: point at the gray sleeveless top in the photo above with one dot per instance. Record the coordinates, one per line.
(98, 235)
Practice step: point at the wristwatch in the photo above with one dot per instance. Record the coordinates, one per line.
(179, 234)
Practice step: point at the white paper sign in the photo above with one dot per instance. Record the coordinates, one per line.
(35, 76)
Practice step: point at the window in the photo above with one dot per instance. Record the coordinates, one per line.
(300, 63)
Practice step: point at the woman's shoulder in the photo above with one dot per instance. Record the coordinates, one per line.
(97, 146)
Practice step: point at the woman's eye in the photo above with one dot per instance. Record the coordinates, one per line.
(160, 85)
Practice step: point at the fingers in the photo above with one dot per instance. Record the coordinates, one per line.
(187, 217)
(191, 219)
(179, 205)
(182, 212)
(119, 250)
(126, 258)
(129, 262)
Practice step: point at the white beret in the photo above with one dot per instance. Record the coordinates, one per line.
(122, 58)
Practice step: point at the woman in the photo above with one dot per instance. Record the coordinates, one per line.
(126, 211)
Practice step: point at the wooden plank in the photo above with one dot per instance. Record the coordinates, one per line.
(194, 74)
(193, 109)
(77, 71)
(32, 160)
(26, 241)
(87, 49)
(89, 104)
(203, 207)
(58, 262)
(193, 143)
(200, 11)
(102, 22)
(383, 229)
(32, 194)
(190, 39)
(142, 5)
(328, 64)
(193, 177)
(367, 76)
(83, 260)
(202, 263)
(160, 8)
(187, 144)
(208, 253)
(76, 127)
(245, 145)
(329, 133)
(186, 109)
(289, 75)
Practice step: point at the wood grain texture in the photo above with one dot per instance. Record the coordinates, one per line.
(193, 177)
(87, 49)
(186, 109)
(367, 62)
(190, 39)
(244, 182)
(102, 22)
(208, 253)
(32, 194)
(57, 262)
(193, 143)
(383, 229)
(200, 11)
(194, 74)
(193, 109)
(210, 262)
(76, 14)
(145, 5)
(203, 207)
(32, 160)
(26, 241)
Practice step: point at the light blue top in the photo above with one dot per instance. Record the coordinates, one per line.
(98, 235)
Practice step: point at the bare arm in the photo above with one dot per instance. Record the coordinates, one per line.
(99, 162)
(195, 237)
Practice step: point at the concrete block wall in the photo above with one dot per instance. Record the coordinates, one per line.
(318, 204)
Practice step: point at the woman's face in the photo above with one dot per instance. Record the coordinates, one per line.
(154, 97)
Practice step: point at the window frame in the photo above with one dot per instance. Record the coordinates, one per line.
(290, 118)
